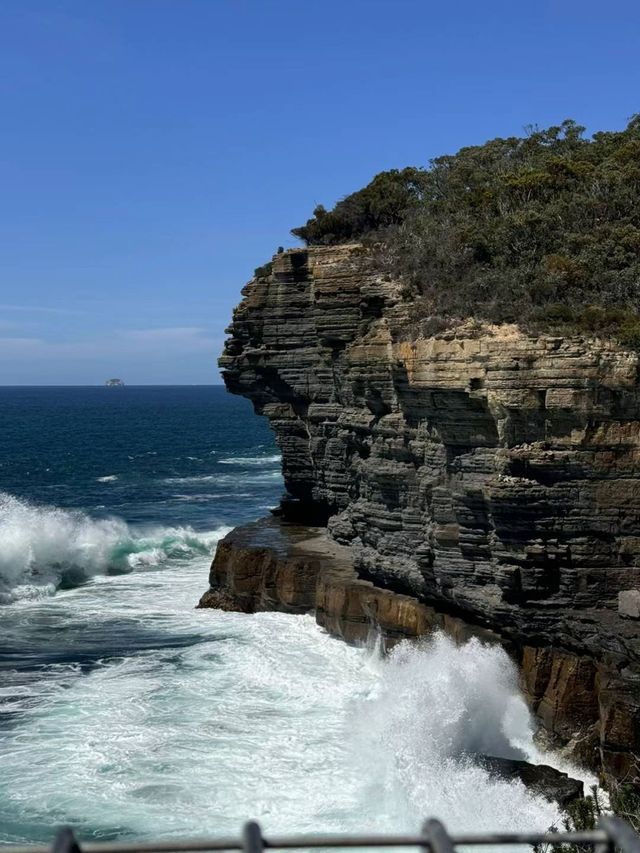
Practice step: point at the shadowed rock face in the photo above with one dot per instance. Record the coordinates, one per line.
(488, 474)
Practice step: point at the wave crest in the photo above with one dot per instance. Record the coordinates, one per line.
(45, 548)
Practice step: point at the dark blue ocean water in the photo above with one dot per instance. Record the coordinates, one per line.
(141, 473)
(193, 455)
(127, 713)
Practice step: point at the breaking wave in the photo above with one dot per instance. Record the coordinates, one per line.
(274, 719)
(45, 548)
(436, 709)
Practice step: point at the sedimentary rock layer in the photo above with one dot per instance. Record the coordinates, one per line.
(278, 565)
(485, 473)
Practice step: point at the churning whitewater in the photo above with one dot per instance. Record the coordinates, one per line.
(129, 714)
(44, 548)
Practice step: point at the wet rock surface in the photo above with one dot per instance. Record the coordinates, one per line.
(276, 565)
(484, 474)
(539, 778)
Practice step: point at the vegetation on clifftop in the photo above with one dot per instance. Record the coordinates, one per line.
(539, 229)
(584, 814)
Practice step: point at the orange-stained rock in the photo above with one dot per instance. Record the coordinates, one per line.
(569, 701)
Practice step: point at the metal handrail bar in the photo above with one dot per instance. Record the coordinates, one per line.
(296, 842)
(621, 835)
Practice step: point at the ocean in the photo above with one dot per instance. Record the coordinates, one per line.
(127, 713)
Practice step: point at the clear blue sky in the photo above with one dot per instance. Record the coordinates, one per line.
(153, 152)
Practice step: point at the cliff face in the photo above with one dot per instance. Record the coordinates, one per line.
(492, 475)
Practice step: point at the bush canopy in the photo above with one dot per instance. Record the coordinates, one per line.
(540, 227)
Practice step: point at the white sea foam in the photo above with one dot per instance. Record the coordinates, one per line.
(211, 496)
(436, 708)
(203, 478)
(215, 717)
(44, 547)
(265, 716)
(220, 479)
(251, 460)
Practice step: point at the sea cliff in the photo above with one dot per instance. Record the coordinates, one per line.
(474, 478)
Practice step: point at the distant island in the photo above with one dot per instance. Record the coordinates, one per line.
(114, 383)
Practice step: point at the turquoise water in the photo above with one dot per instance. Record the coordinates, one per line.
(127, 713)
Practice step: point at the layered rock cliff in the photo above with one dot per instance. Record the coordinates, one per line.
(486, 476)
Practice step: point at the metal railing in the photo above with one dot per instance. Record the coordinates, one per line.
(611, 834)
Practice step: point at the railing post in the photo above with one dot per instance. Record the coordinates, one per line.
(437, 837)
(252, 840)
(65, 841)
(620, 834)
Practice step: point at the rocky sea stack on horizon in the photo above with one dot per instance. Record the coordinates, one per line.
(478, 479)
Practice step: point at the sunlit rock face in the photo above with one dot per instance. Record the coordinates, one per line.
(491, 474)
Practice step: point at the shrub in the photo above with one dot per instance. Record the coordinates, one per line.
(629, 334)
(559, 313)
(511, 229)
(625, 802)
(385, 202)
(264, 271)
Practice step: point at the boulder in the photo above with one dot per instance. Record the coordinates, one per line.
(539, 778)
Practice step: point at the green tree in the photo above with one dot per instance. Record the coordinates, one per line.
(529, 229)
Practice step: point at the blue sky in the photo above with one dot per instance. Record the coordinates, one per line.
(153, 152)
